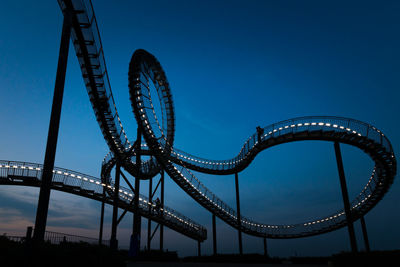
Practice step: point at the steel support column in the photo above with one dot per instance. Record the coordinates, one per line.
(48, 165)
(345, 196)
(162, 212)
(214, 235)
(102, 217)
(238, 213)
(136, 215)
(114, 225)
(265, 247)
(198, 248)
(149, 220)
(365, 235)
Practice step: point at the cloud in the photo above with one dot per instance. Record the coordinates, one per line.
(21, 194)
(13, 222)
(66, 211)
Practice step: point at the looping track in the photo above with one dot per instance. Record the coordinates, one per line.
(144, 69)
(145, 72)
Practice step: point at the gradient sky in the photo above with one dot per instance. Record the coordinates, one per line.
(232, 65)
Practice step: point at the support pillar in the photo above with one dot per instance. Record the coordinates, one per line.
(364, 230)
(198, 248)
(162, 212)
(102, 217)
(149, 220)
(345, 196)
(214, 235)
(51, 146)
(114, 241)
(135, 244)
(28, 236)
(265, 247)
(239, 222)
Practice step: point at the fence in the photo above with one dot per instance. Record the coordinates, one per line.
(57, 238)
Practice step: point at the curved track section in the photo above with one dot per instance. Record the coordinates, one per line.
(29, 174)
(256, 142)
(343, 130)
(145, 70)
(89, 51)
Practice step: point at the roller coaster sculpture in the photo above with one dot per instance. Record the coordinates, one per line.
(145, 72)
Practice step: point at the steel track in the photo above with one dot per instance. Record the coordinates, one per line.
(145, 72)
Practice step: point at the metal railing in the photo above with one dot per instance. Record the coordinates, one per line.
(24, 172)
(89, 50)
(58, 238)
(308, 124)
(361, 134)
(314, 123)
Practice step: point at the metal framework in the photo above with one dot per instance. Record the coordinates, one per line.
(345, 196)
(29, 174)
(145, 71)
(44, 195)
(145, 75)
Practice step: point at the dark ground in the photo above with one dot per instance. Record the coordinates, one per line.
(194, 264)
(83, 254)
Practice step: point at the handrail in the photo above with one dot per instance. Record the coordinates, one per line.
(336, 129)
(145, 67)
(65, 177)
(239, 162)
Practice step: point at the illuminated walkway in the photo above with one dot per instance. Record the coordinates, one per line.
(146, 75)
(29, 174)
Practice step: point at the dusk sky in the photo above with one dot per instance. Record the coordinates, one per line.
(232, 66)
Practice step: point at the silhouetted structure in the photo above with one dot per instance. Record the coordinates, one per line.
(260, 132)
(146, 74)
(48, 165)
(28, 174)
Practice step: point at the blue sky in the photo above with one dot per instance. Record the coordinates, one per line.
(232, 65)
